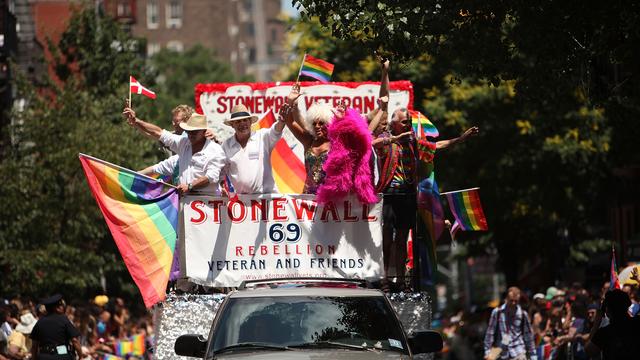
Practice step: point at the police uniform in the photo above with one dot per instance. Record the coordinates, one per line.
(54, 333)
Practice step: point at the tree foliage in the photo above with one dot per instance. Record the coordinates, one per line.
(541, 160)
(53, 237)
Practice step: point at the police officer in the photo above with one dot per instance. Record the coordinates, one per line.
(53, 336)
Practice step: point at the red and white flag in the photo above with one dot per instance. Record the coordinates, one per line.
(136, 88)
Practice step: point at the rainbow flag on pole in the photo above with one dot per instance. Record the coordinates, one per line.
(427, 128)
(142, 215)
(288, 170)
(614, 282)
(316, 68)
(467, 211)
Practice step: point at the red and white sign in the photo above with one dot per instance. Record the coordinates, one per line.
(275, 235)
(136, 88)
(216, 100)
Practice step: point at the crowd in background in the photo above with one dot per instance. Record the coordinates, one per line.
(104, 324)
(561, 320)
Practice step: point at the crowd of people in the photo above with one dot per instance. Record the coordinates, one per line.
(102, 328)
(345, 152)
(562, 323)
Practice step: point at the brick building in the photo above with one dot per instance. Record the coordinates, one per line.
(248, 34)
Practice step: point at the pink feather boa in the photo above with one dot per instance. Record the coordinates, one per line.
(347, 167)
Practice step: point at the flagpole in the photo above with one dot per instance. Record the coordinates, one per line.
(301, 65)
(124, 169)
(130, 92)
(457, 191)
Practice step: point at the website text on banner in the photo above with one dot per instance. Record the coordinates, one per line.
(215, 100)
(274, 235)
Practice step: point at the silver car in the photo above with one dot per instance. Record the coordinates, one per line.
(307, 319)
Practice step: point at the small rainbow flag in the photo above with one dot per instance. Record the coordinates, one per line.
(142, 215)
(427, 128)
(288, 169)
(316, 68)
(467, 211)
(123, 347)
(614, 282)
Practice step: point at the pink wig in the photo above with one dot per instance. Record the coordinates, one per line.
(347, 167)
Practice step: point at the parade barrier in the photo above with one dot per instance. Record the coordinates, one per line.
(193, 314)
(249, 237)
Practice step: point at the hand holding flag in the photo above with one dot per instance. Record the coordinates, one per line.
(315, 68)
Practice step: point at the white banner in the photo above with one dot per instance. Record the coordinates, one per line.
(276, 235)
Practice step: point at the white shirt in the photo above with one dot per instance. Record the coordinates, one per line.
(249, 168)
(207, 162)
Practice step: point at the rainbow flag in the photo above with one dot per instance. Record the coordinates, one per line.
(614, 282)
(427, 128)
(142, 215)
(139, 346)
(111, 357)
(316, 68)
(288, 169)
(467, 211)
(123, 347)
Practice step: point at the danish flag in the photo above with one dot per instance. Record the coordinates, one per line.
(136, 88)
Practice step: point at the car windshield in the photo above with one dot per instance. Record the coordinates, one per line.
(296, 322)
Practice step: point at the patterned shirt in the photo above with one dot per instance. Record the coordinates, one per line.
(519, 330)
(404, 174)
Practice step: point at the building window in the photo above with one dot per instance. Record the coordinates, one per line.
(123, 8)
(274, 35)
(153, 19)
(175, 45)
(174, 14)
(152, 49)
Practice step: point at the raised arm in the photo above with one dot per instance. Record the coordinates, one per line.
(378, 113)
(144, 127)
(443, 144)
(384, 82)
(293, 119)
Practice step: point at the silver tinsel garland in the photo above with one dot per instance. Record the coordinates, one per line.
(193, 314)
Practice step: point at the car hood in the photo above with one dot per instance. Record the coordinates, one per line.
(315, 354)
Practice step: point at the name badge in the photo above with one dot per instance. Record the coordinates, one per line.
(61, 350)
(254, 155)
(506, 339)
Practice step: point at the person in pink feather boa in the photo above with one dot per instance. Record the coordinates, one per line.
(348, 164)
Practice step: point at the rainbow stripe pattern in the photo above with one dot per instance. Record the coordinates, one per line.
(142, 215)
(467, 209)
(427, 129)
(316, 68)
(288, 170)
(111, 357)
(132, 346)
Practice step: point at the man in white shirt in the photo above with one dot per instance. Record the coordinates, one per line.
(199, 160)
(248, 153)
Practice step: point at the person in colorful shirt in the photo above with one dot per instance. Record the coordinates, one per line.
(398, 159)
(510, 331)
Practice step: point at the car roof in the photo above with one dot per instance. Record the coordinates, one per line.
(296, 290)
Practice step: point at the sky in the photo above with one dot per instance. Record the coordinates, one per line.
(288, 8)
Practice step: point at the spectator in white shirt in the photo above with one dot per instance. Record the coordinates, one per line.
(199, 160)
(248, 153)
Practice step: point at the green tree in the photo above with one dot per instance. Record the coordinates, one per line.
(52, 235)
(540, 164)
(178, 73)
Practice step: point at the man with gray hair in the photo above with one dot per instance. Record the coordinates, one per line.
(398, 183)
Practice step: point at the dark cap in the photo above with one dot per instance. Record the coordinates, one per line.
(51, 300)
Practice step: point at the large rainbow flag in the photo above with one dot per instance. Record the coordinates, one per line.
(142, 215)
(422, 126)
(288, 169)
(467, 211)
(316, 68)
